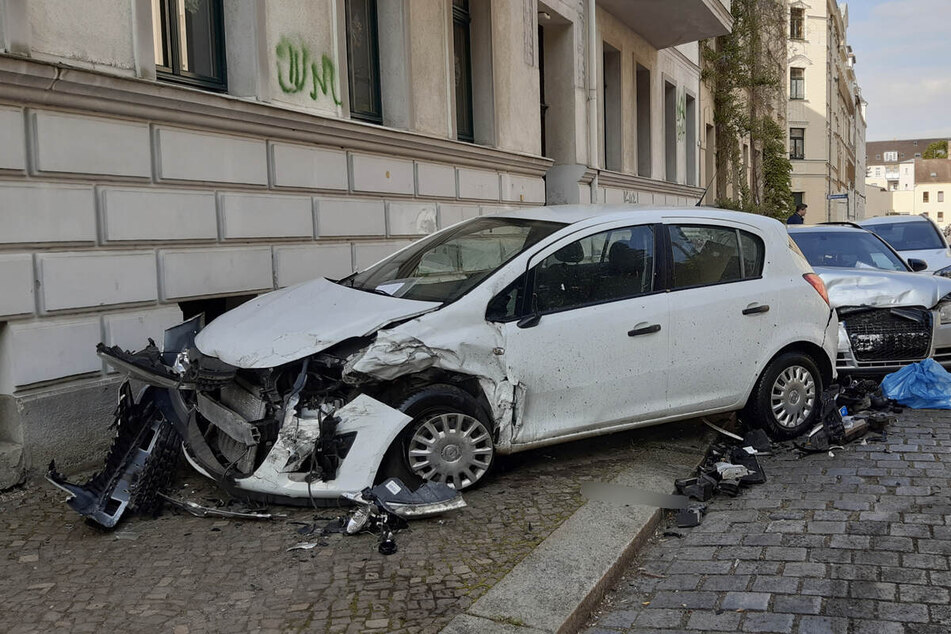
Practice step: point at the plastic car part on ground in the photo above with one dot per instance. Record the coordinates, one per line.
(140, 462)
(384, 508)
(923, 385)
(847, 414)
(725, 469)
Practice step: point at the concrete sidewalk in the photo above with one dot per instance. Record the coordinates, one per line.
(557, 585)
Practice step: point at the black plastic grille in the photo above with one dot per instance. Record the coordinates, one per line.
(886, 334)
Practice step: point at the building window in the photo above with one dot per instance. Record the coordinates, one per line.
(891, 157)
(878, 157)
(940, 196)
(462, 59)
(189, 41)
(940, 215)
(917, 154)
(797, 143)
(924, 196)
(797, 83)
(798, 198)
(363, 61)
(643, 81)
(797, 24)
(611, 114)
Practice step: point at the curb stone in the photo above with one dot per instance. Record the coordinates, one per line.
(555, 588)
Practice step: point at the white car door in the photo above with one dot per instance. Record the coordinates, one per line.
(592, 351)
(723, 313)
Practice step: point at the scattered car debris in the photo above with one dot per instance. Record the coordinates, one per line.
(721, 430)
(140, 462)
(385, 508)
(847, 414)
(306, 546)
(690, 516)
(206, 511)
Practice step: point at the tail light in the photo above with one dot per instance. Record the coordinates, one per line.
(817, 284)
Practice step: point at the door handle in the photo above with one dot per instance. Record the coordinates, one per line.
(645, 330)
(755, 309)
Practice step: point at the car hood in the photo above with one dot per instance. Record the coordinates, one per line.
(298, 321)
(872, 287)
(936, 258)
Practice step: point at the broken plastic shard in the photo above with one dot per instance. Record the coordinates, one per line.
(431, 498)
(203, 511)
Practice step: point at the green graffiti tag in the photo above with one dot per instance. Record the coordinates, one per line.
(681, 116)
(295, 67)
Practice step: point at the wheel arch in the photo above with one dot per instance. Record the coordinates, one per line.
(394, 391)
(813, 351)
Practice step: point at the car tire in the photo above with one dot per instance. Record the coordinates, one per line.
(449, 440)
(785, 400)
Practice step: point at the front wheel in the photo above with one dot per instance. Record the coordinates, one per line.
(785, 399)
(448, 441)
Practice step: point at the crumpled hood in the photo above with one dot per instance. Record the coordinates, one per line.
(874, 287)
(298, 321)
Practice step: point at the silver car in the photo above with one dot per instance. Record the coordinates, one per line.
(914, 237)
(889, 316)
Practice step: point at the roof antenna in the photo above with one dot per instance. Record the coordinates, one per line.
(708, 187)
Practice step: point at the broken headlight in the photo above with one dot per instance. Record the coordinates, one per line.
(945, 272)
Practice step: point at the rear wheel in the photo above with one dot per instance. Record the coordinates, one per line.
(448, 441)
(785, 399)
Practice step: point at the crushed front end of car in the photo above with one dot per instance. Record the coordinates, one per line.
(888, 320)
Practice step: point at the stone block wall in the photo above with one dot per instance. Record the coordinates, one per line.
(108, 223)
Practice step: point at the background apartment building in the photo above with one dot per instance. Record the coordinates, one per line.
(903, 186)
(826, 113)
(159, 158)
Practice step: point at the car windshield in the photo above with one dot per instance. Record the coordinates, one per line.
(909, 236)
(445, 266)
(848, 249)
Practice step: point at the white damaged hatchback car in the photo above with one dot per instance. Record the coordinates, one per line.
(493, 336)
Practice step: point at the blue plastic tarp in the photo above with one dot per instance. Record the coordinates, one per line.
(922, 385)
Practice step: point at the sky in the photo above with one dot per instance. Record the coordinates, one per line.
(903, 66)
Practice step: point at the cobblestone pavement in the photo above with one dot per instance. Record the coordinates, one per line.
(858, 542)
(181, 574)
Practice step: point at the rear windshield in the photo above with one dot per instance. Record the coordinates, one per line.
(847, 249)
(909, 236)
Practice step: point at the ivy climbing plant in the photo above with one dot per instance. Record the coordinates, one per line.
(745, 71)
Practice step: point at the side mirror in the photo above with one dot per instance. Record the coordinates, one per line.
(917, 265)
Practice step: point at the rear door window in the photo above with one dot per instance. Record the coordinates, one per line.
(703, 255)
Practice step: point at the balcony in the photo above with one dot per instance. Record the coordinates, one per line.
(664, 24)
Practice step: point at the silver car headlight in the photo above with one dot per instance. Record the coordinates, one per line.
(945, 272)
(944, 312)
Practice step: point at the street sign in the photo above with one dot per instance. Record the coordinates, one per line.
(837, 196)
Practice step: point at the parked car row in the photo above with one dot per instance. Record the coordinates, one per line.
(510, 332)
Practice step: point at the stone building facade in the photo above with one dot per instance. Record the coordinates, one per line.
(160, 158)
(826, 113)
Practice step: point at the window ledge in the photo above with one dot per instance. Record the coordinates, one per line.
(28, 82)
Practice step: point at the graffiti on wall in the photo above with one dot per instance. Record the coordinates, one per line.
(681, 115)
(296, 70)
